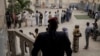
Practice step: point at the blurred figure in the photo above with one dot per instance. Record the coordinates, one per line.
(76, 35)
(31, 18)
(95, 29)
(52, 43)
(36, 33)
(37, 17)
(25, 16)
(87, 34)
(57, 14)
(45, 18)
(40, 17)
(19, 19)
(50, 16)
(8, 19)
(62, 16)
(65, 30)
(21, 31)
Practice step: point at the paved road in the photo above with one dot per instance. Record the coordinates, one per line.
(94, 47)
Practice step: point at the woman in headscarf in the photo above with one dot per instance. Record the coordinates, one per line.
(76, 35)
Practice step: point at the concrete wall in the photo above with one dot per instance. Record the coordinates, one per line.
(3, 32)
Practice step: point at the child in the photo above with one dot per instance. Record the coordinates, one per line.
(36, 33)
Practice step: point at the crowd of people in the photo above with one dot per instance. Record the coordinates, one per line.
(51, 42)
(36, 18)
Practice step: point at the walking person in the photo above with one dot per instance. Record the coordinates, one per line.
(87, 34)
(46, 18)
(76, 35)
(51, 42)
(40, 17)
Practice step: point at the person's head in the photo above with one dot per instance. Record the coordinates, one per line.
(76, 26)
(50, 12)
(53, 24)
(87, 23)
(64, 29)
(36, 30)
(46, 29)
(36, 11)
(21, 31)
(55, 12)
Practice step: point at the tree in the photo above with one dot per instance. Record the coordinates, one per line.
(18, 6)
(24, 5)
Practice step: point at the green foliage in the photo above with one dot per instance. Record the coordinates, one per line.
(18, 6)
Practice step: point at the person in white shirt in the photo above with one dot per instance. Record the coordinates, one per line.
(57, 15)
(45, 18)
(31, 18)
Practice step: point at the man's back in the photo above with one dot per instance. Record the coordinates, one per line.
(52, 44)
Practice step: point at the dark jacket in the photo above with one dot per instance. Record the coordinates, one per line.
(41, 16)
(52, 44)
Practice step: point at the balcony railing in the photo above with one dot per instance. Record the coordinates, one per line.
(25, 43)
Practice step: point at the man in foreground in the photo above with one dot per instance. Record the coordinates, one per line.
(52, 43)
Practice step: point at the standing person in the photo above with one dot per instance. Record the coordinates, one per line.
(87, 34)
(50, 16)
(25, 16)
(67, 15)
(19, 19)
(76, 35)
(57, 14)
(95, 29)
(65, 30)
(45, 18)
(31, 18)
(52, 43)
(36, 33)
(15, 19)
(40, 17)
(8, 19)
(62, 16)
(37, 18)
